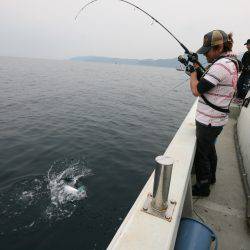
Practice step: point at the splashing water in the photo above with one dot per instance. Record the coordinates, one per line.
(29, 202)
(67, 191)
(65, 182)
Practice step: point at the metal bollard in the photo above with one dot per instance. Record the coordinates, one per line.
(162, 180)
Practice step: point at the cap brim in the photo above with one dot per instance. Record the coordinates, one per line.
(203, 50)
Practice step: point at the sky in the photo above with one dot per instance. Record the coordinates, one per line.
(47, 28)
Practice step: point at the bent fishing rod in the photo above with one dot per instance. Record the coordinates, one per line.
(85, 6)
(192, 57)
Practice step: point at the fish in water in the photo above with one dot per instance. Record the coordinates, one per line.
(71, 184)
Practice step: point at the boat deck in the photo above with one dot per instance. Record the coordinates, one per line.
(224, 210)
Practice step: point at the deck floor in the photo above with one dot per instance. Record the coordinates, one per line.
(224, 210)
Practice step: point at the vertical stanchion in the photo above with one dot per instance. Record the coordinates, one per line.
(162, 180)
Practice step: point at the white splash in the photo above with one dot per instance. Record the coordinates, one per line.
(61, 192)
(64, 194)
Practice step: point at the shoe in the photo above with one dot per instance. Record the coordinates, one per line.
(200, 190)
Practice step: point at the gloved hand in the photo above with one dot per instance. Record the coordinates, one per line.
(189, 69)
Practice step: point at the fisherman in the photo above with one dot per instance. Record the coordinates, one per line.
(215, 89)
(244, 79)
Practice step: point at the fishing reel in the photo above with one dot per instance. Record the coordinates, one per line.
(191, 57)
(189, 61)
(183, 60)
(189, 68)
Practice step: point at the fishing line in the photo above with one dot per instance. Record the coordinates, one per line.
(178, 85)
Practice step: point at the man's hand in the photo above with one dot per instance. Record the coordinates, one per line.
(196, 65)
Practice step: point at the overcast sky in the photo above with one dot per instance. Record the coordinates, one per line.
(47, 29)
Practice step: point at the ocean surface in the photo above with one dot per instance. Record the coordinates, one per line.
(102, 124)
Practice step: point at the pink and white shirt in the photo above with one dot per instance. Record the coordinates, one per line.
(223, 75)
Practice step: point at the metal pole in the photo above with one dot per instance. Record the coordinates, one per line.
(162, 180)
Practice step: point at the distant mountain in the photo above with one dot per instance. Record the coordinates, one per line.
(171, 63)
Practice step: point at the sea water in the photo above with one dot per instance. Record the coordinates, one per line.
(103, 123)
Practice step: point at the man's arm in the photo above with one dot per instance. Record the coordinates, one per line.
(199, 87)
(194, 83)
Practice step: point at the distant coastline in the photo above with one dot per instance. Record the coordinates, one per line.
(170, 63)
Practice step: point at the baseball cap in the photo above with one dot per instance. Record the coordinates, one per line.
(211, 39)
(248, 42)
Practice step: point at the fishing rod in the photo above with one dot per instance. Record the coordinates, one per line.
(78, 13)
(155, 20)
(192, 57)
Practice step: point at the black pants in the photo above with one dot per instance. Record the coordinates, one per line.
(205, 157)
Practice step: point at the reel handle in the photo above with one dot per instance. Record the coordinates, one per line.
(182, 60)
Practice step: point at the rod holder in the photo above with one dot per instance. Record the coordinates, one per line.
(158, 204)
(162, 178)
